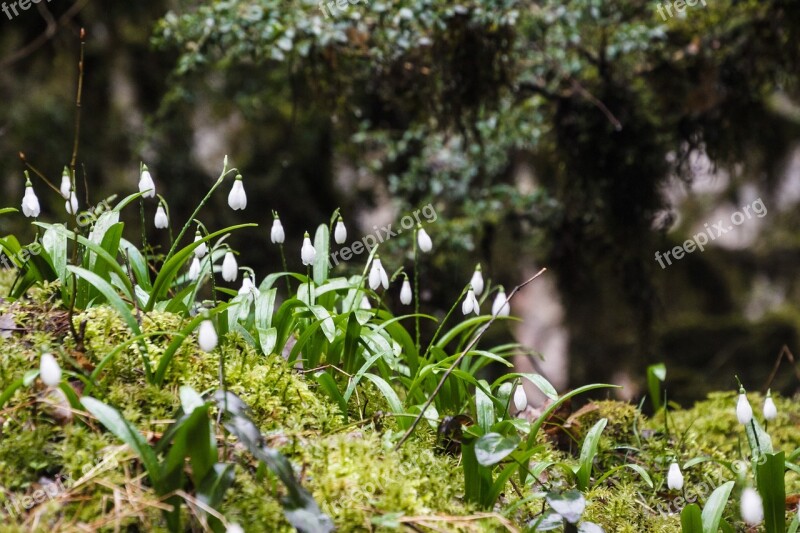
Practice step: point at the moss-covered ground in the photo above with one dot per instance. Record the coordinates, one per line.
(60, 471)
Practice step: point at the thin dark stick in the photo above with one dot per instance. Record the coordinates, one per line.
(458, 360)
(78, 96)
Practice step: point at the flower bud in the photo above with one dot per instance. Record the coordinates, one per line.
(49, 370)
(207, 336)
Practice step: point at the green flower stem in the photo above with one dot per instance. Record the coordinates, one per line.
(204, 201)
(416, 289)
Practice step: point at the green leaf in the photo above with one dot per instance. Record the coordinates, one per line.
(691, 520)
(492, 448)
(7, 210)
(715, 506)
(322, 259)
(656, 374)
(328, 384)
(124, 431)
(391, 397)
(538, 381)
(771, 486)
(484, 408)
(569, 504)
(760, 441)
(588, 453)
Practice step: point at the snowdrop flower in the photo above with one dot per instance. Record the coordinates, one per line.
(477, 280)
(30, 203)
(307, 252)
(365, 303)
(377, 275)
(162, 221)
(207, 336)
(66, 184)
(277, 235)
(146, 185)
(500, 306)
(201, 250)
(237, 198)
(405, 292)
(340, 232)
(49, 370)
(743, 410)
(71, 205)
(247, 285)
(752, 507)
(194, 269)
(234, 528)
(424, 240)
(520, 398)
(470, 303)
(674, 477)
(230, 269)
(770, 411)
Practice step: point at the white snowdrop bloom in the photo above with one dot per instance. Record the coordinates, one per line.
(230, 269)
(277, 235)
(477, 280)
(248, 287)
(161, 221)
(405, 292)
(234, 528)
(770, 411)
(340, 232)
(674, 477)
(377, 275)
(201, 250)
(424, 240)
(71, 205)
(743, 410)
(237, 198)
(520, 398)
(146, 185)
(752, 507)
(470, 303)
(194, 269)
(30, 203)
(207, 336)
(307, 252)
(49, 370)
(66, 184)
(365, 303)
(500, 306)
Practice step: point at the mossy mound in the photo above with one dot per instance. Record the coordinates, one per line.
(61, 471)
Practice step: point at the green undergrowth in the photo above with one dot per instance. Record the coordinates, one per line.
(61, 471)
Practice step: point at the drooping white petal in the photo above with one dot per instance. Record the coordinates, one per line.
(500, 306)
(424, 240)
(161, 221)
(520, 398)
(277, 235)
(365, 303)
(377, 275)
(49, 370)
(146, 185)
(468, 305)
(674, 477)
(237, 198)
(770, 411)
(743, 410)
(752, 507)
(71, 205)
(194, 269)
(307, 252)
(234, 528)
(66, 185)
(405, 293)
(202, 249)
(340, 232)
(477, 281)
(207, 336)
(30, 203)
(247, 285)
(230, 269)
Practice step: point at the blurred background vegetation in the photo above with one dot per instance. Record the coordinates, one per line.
(581, 135)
